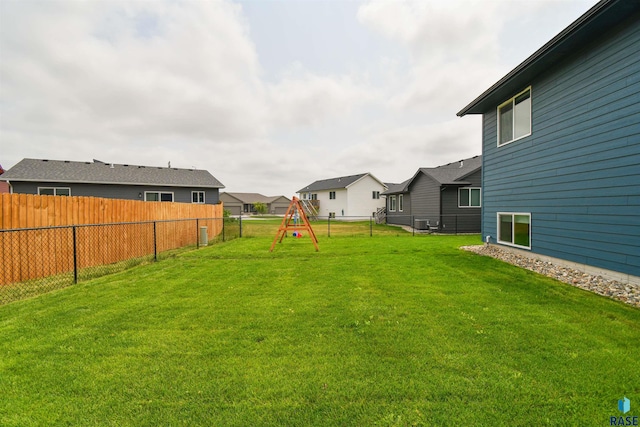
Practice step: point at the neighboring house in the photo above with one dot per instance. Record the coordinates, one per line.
(446, 198)
(354, 195)
(114, 181)
(242, 203)
(561, 147)
(4, 187)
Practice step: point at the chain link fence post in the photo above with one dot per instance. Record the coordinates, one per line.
(155, 242)
(75, 254)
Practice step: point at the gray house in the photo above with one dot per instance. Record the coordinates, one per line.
(242, 203)
(445, 198)
(114, 181)
(561, 147)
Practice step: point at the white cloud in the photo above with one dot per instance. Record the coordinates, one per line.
(192, 72)
(412, 146)
(453, 46)
(302, 99)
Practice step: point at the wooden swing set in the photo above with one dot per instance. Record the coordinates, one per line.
(295, 219)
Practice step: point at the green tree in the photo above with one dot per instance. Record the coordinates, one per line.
(260, 207)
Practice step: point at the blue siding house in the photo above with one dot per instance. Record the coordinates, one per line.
(561, 147)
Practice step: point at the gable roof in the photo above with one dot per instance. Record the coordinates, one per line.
(252, 197)
(397, 188)
(449, 174)
(455, 172)
(97, 172)
(337, 183)
(590, 26)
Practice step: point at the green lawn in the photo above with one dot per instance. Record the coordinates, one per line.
(370, 331)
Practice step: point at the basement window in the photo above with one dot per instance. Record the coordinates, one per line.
(514, 229)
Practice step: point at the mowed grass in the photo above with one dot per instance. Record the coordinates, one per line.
(370, 331)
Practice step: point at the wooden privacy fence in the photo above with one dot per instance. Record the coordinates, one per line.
(30, 211)
(42, 236)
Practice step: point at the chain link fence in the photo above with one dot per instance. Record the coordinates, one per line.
(38, 260)
(445, 224)
(324, 226)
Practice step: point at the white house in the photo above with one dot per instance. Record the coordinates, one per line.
(346, 196)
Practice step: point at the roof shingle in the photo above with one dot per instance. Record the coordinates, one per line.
(449, 174)
(97, 172)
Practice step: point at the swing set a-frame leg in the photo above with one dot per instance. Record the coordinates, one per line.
(300, 222)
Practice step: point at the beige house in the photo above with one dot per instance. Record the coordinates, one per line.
(243, 203)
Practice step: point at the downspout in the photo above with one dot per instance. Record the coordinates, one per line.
(441, 223)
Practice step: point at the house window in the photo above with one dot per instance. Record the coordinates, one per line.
(332, 214)
(392, 203)
(375, 195)
(400, 202)
(514, 118)
(514, 229)
(157, 196)
(54, 191)
(197, 197)
(332, 195)
(313, 196)
(469, 198)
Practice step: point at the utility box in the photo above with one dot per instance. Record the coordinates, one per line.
(204, 238)
(421, 224)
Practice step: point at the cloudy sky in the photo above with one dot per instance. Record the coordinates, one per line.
(267, 95)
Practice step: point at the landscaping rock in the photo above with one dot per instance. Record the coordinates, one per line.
(626, 292)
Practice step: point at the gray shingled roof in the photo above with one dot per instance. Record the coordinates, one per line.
(97, 172)
(449, 174)
(398, 188)
(334, 183)
(453, 173)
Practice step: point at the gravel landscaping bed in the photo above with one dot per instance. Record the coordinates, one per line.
(626, 292)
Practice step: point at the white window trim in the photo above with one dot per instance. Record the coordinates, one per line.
(392, 203)
(530, 117)
(173, 198)
(203, 197)
(400, 203)
(55, 190)
(469, 206)
(332, 193)
(513, 214)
